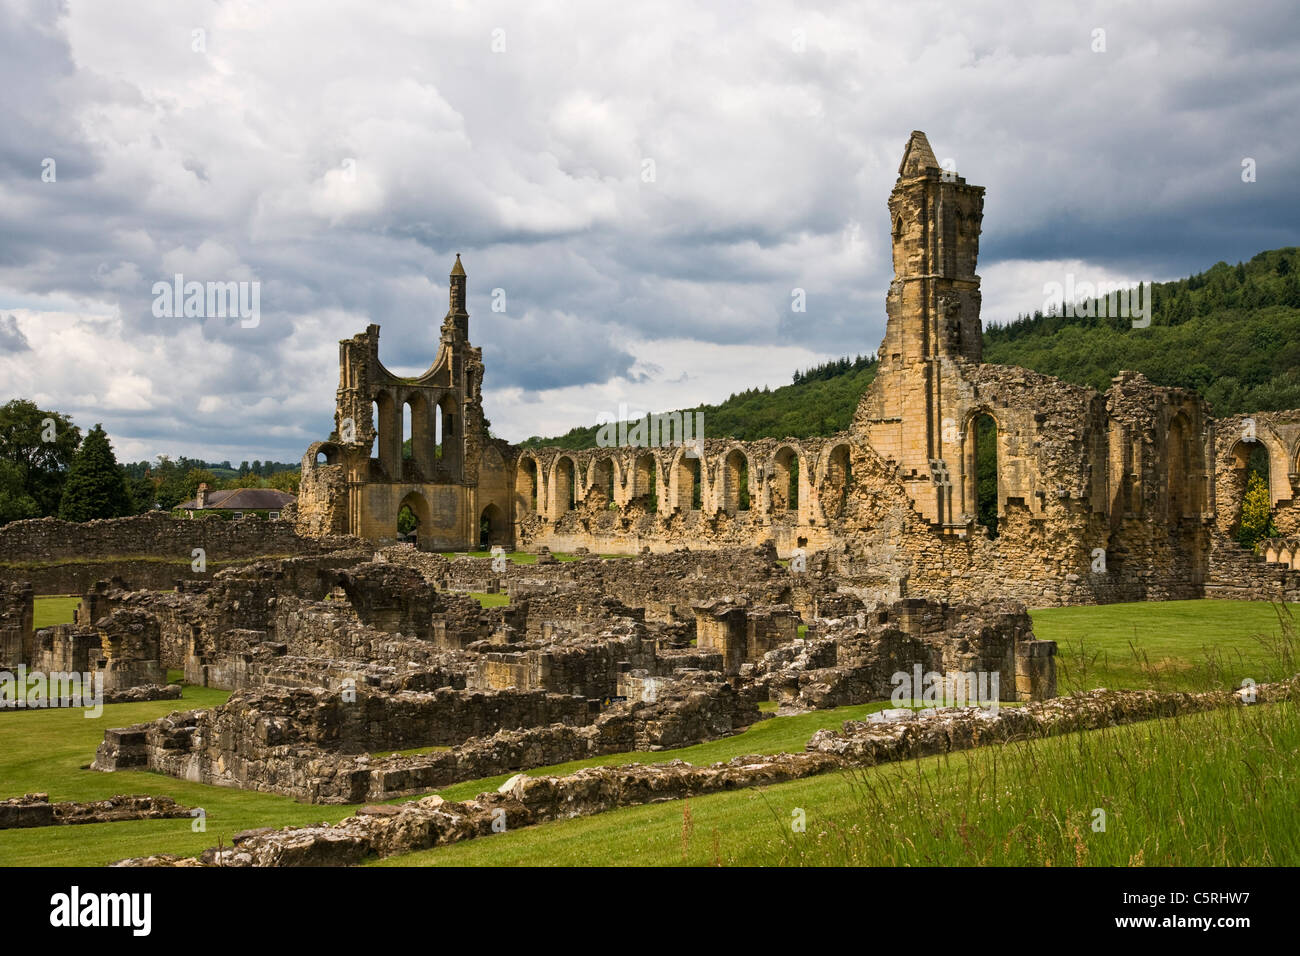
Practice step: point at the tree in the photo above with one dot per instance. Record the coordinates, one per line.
(286, 481)
(1256, 513)
(40, 444)
(195, 477)
(142, 491)
(15, 503)
(95, 487)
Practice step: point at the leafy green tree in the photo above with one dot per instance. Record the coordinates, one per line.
(40, 444)
(286, 481)
(15, 502)
(406, 520)
(1256, 513)
(95, 487)
(195, 477)
(142, 492)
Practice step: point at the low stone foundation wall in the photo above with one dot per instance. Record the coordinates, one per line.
(854, 660)
(1242, 575)
(35, 810)
(523, 800)
(132, 695)
(150, 550)
(305, 743)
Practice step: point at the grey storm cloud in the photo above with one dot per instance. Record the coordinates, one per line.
(11, 337)
(637, 193)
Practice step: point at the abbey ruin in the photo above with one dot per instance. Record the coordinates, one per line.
(1127, 495)
(659, 597)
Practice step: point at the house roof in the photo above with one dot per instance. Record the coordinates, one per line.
(243, 499)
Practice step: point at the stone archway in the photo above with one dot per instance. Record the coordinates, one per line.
(412, 513)
(492, 528)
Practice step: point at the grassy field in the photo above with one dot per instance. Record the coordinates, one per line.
(1212, 789)
(1178, 645)
(48, 751)
(1170, 645)
(524, 557)
(49, 611)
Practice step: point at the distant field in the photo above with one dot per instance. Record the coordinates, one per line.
(524, 557)
(48, 751)
(49, 611)
(1171, 645)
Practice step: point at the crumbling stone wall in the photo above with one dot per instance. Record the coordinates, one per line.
(35, 810)
(150, 550)
(1100, 497)
(526, 800)
(853, 661)
(305, 743)
(17, 615)
(453, 477)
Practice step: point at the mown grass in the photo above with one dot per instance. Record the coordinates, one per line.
(490, 600)
(52, 610)
(49, 751)
(1216, 789)
(521, 557)
(1170, 645)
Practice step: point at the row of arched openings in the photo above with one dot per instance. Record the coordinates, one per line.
(736, 495)
(424, 436)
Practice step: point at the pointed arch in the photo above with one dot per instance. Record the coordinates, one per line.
(785, 479)
(735, 482)
(526, 485)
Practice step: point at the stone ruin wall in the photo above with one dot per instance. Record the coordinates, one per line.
(504, 688)
(854, 659)
(151, 550)
(312, 745)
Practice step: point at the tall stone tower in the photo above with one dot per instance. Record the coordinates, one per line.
(912, 413)
(415, 443)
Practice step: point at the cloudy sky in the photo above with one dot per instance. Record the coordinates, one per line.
(646, 184)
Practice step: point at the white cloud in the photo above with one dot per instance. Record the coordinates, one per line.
(342, 153)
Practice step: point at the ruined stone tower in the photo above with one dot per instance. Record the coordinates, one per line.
(933, 309)
(444, 468)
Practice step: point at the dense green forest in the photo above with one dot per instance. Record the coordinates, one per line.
(1231, 333)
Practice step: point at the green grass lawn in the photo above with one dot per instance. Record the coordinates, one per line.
(1213, 789)
(45, 751)
(490, 600)
(49, 611)
(523, 557)
(1181, 645)
(1170, 645)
